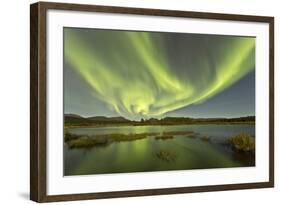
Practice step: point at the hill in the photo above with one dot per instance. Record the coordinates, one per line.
(73, 120)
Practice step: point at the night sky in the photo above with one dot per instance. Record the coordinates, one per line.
(154, 74)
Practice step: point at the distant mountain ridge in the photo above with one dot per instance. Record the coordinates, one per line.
(72, 118)
(111, 119)
(77, 120)
(72, 115)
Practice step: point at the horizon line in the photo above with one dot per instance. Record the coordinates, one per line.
(162, 117)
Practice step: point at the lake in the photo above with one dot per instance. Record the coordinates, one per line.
(205, 148)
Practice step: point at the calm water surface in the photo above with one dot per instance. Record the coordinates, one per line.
(143, 155)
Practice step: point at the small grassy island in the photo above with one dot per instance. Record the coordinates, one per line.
(84, 141)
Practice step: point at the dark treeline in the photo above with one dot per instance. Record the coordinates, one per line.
(186, 120)
(71, 120)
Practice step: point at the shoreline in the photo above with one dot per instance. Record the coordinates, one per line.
(141, 124)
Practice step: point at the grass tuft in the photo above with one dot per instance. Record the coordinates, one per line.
(166, 155)
(243, 142)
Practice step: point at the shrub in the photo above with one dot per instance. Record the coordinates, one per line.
(243, 142)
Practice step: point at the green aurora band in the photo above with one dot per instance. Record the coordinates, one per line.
(147, 74)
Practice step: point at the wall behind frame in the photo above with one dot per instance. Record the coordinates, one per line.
(14, 104)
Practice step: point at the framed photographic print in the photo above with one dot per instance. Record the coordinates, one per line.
(133, 102)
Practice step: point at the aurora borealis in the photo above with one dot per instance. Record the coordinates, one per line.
(151, 74)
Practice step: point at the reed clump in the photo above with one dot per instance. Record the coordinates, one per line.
(243, 142)
(166, 155)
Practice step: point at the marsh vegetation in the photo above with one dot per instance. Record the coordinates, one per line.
(240, 142)
(155, 148)
(243, 142)
(166, 155)
(80, 141)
